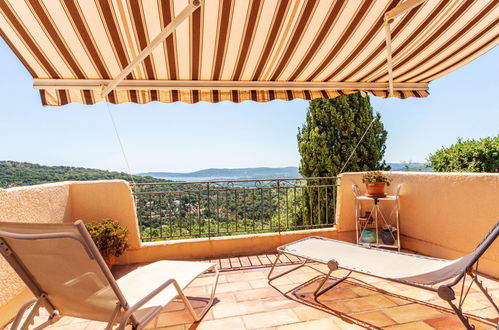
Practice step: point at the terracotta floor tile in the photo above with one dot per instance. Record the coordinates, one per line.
(327, 323)
(225, 297)
(412, 326)
(307, 313)
(411, 313)
(376, 319)
(344, 324)
(270, 319)
(230, 323)
(280, 302)
(338, 294)
(263, 283)
(418, 294)
(256, 294)
(446, 323)
(233, 287)
(246, 276)
(367, 303)
(236, 309)
(299, 278)
(208, 280)
(387, 286)
(337, 307)
(245, 299)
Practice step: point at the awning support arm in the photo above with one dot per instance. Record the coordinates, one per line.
(389, 17)
(167, 31)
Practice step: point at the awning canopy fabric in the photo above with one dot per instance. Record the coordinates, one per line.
(237, 50)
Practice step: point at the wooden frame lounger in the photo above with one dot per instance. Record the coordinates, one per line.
(416, 270)
(62, 267)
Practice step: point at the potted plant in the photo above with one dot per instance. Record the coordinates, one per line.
(375, 183)
(110, 238)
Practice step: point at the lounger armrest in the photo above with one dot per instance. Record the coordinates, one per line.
(144, 300)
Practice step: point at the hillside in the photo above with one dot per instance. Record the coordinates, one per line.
(233, 173)
(261, 172)
(14, 174)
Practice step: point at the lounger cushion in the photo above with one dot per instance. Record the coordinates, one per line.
(378, 262)
(140, 282)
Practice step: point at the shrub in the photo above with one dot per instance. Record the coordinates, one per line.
(109, 237)
(375, 176)
(468, 156)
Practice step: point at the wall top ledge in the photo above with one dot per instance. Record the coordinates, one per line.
(429, 174)
(306, 232)
(62, 184)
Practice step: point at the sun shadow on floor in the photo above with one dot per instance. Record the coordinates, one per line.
(359, 303)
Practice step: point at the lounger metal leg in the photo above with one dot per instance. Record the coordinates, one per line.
(320, 291)
(37, 303)
(447, 293)
(21, 312)
(129, 312)
(461, 316)
(271, 278)
(485, 291)
(199, 316)
(113, 316)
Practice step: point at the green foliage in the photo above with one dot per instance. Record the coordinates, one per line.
(468, 156)
(109, 237)
(14, 174)
(375, 176)
(331, 132)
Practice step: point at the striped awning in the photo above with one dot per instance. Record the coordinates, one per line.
(237, 50)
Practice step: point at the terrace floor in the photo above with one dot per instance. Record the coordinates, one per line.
(245, 300)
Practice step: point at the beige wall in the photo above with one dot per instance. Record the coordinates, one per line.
(97, 200)
(55, 203)
(41, 204)
(441, 214)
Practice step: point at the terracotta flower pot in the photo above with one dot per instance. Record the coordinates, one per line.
(110, 260)
(376, 189)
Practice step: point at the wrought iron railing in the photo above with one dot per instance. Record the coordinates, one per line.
(177, 210)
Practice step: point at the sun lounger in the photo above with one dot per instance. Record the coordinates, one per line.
(416, 270)
(62, 267)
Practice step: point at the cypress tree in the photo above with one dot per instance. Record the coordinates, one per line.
(332, 129)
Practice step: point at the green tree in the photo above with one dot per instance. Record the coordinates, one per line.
(468, 156)
(330, 134)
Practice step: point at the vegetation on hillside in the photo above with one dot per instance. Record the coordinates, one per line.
(468, 156)
(13, 174)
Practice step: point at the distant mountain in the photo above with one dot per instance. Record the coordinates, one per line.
(259, 172)
(232, 173)
(14, 174)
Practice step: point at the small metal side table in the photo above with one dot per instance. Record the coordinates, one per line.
(378, 218)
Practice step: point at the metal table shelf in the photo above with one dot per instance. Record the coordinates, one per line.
(378, 217)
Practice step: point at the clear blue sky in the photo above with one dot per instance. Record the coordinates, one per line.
(182, 137)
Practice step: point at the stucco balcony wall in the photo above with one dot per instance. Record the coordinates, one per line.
(442, 215)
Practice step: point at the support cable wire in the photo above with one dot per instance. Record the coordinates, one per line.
(358, 143)
(120, 143)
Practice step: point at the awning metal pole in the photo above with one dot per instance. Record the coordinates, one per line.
(185, 13)
(95, 84)
(389, 63)
(389, 17)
